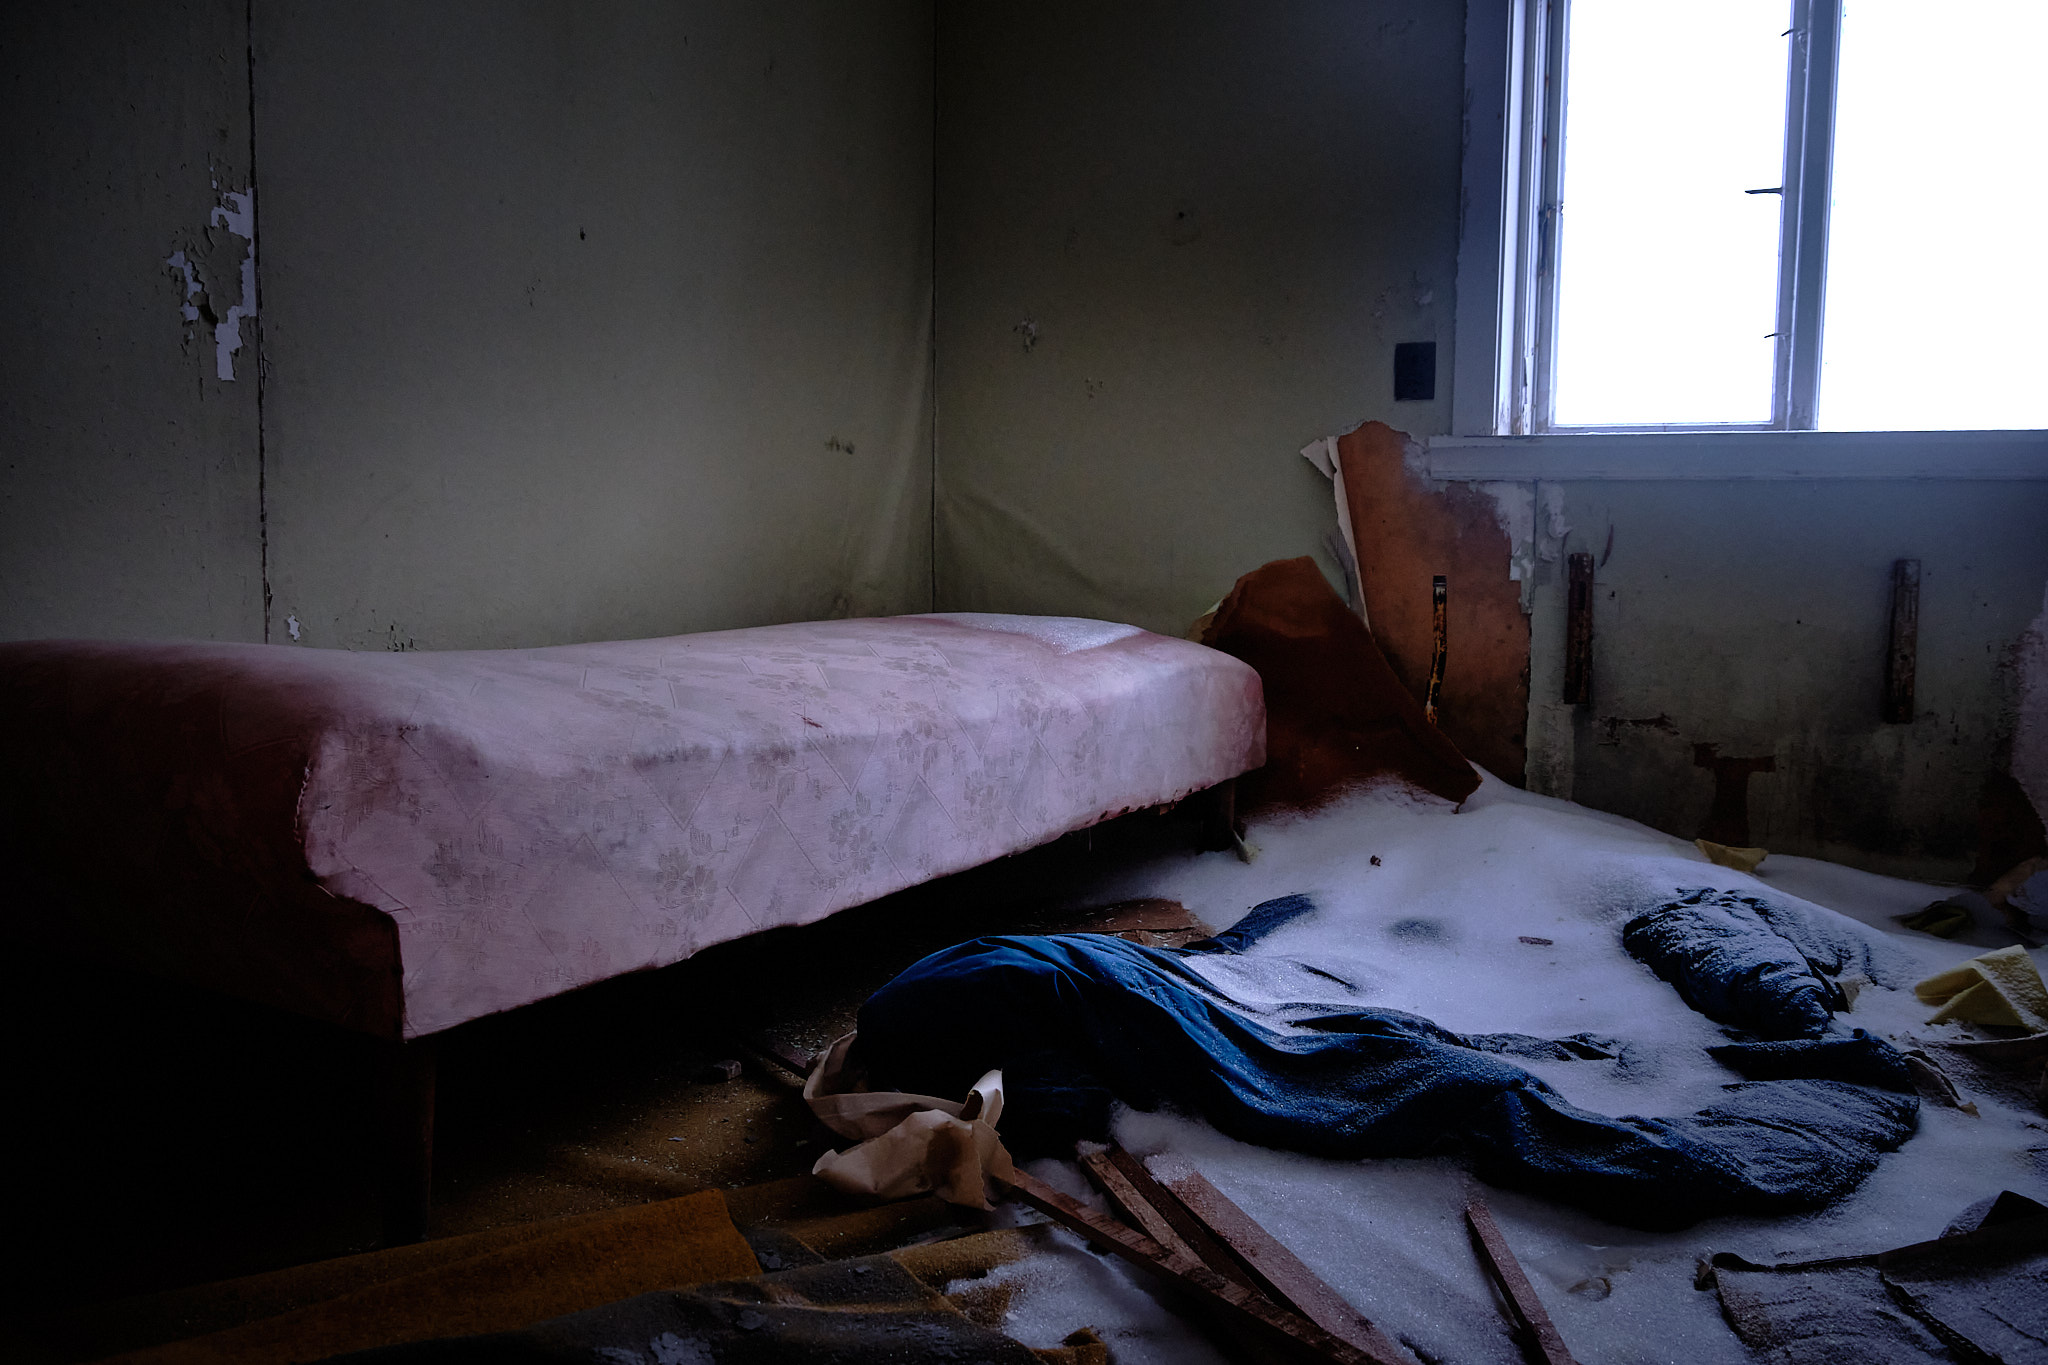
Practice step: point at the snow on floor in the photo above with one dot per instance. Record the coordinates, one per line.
(1427, 908)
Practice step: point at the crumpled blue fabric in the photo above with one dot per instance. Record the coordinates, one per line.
(1078, 1022)
(1763, 965)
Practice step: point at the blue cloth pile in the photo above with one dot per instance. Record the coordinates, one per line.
(1078, 1022)
(1766, 966)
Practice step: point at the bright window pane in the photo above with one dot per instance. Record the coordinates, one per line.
(1668, 271)
(1937, 298)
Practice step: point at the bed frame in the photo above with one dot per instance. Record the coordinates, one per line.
(399, 843)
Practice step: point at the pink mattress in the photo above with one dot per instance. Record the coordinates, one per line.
(401, 842)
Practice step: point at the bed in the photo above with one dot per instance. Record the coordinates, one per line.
(400, 842)
(397, 843)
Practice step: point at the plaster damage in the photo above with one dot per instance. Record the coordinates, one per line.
(237, 213)
(188, 309)
(1323, 455)
(1533, 517)
(1408, 530)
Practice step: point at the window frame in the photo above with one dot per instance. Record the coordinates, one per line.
(1516, 68)
(1506, 117)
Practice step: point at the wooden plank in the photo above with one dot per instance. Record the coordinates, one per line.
(1439, 604)
(1578, 632)
(1279, 1271)
(1289, 1330)
(1131, 1202)
(1207, 1249)
(1902, 660)
(1533, 1327)
(1220, 829)
(1133, 1192)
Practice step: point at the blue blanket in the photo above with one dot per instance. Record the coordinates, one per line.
(1765, 966)
(1078, 1022)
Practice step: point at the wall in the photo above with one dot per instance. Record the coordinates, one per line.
(128, 471)
(1176, 242)
(595, 322)
(576, 321)
(1755, 616)
(605, 321)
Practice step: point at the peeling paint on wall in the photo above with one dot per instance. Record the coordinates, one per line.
(1410, 530)
(237, 213)
(1323, 455)
(188, 309)
(1533, 517)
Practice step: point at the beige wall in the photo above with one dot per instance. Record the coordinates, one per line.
(1219, 218)
(1756, 616)
(612, 320)
(578, 321)
(128, 499)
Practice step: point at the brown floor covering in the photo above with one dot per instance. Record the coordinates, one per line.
(179, 1139)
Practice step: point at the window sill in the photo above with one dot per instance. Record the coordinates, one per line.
(1743, 455)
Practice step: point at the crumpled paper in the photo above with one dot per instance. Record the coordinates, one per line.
(908, 1144)
(2002, 987)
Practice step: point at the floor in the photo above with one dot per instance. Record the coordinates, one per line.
(180, 1138)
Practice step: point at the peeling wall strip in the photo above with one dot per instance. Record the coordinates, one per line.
(1902, 659)
(251, 292)
(1439, 621)
(1323, 455)
(237, 213)
(178, 262)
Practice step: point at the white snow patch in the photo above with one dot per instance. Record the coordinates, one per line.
(1435, 928)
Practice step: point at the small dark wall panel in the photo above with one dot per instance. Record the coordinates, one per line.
(1902, 658)
(1578, 632)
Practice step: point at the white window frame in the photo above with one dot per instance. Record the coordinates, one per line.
(1500, 378)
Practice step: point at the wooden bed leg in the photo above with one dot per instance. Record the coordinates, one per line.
(406, 1103)
(1221, 828)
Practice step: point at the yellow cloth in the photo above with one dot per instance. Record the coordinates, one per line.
(584, 1264)
(2001, 987)
(1721, 855)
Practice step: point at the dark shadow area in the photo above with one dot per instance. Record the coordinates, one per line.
(177, 1137)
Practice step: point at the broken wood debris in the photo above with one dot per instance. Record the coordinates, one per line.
(1282, 1326)
(1279, 1271)
(1534, 1329)
(1191, 1230)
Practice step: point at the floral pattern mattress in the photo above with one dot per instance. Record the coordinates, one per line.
(402, 842)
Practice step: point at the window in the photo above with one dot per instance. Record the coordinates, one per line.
(1754, 215)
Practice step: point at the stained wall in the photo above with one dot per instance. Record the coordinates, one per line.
(572, 321)
(1755, 616)
(128, 468)
(1176, 242)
